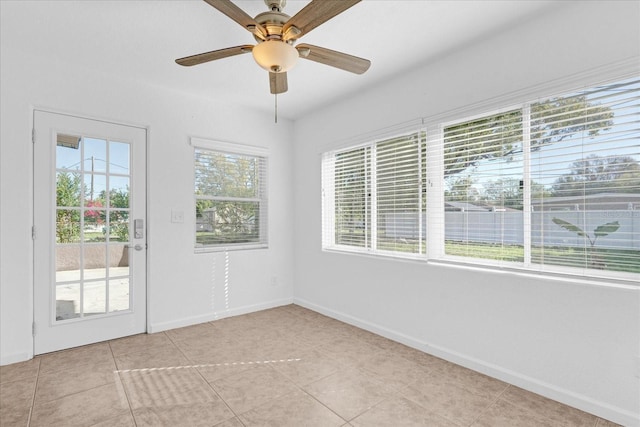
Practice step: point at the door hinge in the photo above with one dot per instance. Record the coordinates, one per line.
(33, 329)
(33, 135)
(33, 232)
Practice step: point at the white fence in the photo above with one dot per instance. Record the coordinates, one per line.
(508, 227)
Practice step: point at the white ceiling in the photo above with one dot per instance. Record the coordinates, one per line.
(140, 39)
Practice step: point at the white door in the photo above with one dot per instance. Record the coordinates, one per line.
(89, 231)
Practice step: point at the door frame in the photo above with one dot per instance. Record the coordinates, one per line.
(33, 109)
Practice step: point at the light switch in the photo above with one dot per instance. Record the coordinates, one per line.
(177, 216)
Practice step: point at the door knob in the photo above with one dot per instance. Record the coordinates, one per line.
(136, 247)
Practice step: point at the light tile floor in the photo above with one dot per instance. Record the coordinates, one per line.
(287, 366)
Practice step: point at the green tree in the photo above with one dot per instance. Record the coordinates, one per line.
(68, 191)
(595, 174)
(119, 213)
(461, 189)
(560, 118)
(505, 192)
(500, 136)
(496, 136)
(351, 197)
(230, 178)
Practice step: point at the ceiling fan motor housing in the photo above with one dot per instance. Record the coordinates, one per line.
(272, 22)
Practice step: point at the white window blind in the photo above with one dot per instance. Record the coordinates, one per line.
(230, 200)
(352, 191)
(373, 199)
(399, 197)
(585, 174)
(551, 185)
(483, 197)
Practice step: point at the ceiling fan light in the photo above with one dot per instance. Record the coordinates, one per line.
(275, 56)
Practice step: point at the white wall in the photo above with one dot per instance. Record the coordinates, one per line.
(575, 342)
(184, 287)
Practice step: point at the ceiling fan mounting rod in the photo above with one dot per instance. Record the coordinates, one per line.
(275, 5)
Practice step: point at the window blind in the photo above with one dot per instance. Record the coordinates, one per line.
(231, 199)
(352, 189)
(373, 196)
(585, 172)
(399, 204)
(483, 197)
(551, 185)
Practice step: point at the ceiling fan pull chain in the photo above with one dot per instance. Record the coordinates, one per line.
(276, 107)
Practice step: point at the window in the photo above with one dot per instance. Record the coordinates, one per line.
(230, 197)
(551, 185)
(373, 198)
(585, 178)
(483, 197)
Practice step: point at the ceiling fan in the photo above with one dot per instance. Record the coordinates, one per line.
(277, 33)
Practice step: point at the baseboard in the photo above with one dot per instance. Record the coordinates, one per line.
(576, 400)
(15, 358)
(208, 317)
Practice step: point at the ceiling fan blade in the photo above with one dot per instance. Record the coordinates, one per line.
(313, 14)
(239, 15)
(278, 82)
(333, 58)
(201, 58)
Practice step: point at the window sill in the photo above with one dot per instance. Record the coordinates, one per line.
(628, 281)
(228, 248)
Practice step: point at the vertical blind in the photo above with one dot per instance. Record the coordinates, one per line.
(548, 185)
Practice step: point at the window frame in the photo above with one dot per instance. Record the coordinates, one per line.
(262, 155)
(434, 129)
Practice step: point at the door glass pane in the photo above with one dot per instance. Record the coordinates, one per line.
(68, 152)
(119, 294)
(67, 263)
(67, 301)
(95, 262)
(95, 298)
(67, 226)
(68, 189)
(94, 225)
(119, 226)
(95, 155)
(118, 260)
(95, 190)
(119, 157)
(119, 192)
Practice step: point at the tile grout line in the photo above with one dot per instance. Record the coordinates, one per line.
(236, 416)
(429, 410)
(124, 389)
(493, 402)
(33, 397)
(299, 387)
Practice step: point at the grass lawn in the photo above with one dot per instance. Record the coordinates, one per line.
(603, 259)
(580, 257)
